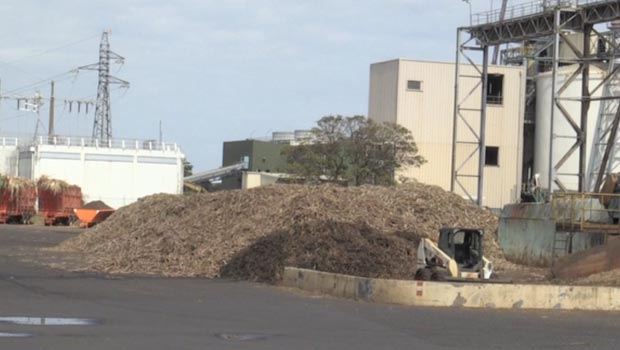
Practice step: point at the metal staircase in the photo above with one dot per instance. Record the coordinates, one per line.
(606, 124)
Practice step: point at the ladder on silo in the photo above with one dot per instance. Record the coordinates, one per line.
(561, 244)
(607, 111)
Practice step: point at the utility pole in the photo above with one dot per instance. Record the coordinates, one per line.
(161, 134)
(28, 104)
(102, 127)
(51, 121)
(34, 103)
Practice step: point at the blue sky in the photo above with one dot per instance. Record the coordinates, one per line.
(213, 71)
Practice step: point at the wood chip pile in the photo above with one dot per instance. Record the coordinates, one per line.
(252, 234)
(607, 278)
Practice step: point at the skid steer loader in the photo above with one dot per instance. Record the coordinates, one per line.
(457, 257)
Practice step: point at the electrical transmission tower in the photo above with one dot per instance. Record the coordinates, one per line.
(102, 127)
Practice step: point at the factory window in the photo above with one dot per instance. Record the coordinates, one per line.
(491, 156)
(495, 90)
(414, 85)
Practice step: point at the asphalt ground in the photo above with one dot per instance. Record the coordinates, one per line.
(124, 312)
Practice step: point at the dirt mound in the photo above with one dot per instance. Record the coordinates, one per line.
(207, 234)
(326, 246)
(98, 205)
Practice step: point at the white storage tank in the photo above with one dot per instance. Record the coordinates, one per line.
(576, 40)
(283, 136)
(564, 133)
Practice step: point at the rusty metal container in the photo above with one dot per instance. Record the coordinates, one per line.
(57, 207)
(17, 203)
(93, 213)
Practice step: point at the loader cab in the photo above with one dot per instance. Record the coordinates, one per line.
(462, 245)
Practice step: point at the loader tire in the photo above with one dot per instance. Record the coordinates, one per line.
(423, 275)
(438, 276)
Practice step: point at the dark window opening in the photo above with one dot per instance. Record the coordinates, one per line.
(414, 85)
(495, 89)
(491, 156)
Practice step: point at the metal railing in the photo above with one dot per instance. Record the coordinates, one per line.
(591, 2)
(9, 142)
(528, 9)
(153, 145)
(594, 212)
(73, 141)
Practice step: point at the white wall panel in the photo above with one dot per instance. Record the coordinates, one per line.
(116, 176)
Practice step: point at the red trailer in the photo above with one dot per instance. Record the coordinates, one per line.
(17, 205)
(56, 207)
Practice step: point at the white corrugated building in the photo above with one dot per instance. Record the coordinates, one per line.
(420, 96)
(118, 173)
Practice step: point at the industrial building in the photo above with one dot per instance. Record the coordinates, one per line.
(262, 156)
(259, 156)
(118, 172)
(569, 51)
(546, 117)
(419, 95)
(251, 163)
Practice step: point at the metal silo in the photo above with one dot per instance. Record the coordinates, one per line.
(563, 132)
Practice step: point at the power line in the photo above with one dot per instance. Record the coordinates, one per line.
(63, 46)
(12, 65)
(20, 69)
(40, 82)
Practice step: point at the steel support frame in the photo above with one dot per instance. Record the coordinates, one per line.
(552, 23)
(561, 21)
(602, 12)
(605, 142)
(542, 24)
(477, 134)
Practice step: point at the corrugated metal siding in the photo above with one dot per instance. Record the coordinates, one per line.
(267, 157)
(505, 130)
(429, 115)
(383, 93)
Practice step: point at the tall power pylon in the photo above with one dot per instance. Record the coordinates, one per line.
(102, 127)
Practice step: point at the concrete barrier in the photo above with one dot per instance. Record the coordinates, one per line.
(449, 294)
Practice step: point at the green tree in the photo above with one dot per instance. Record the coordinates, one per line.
(354, 150)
